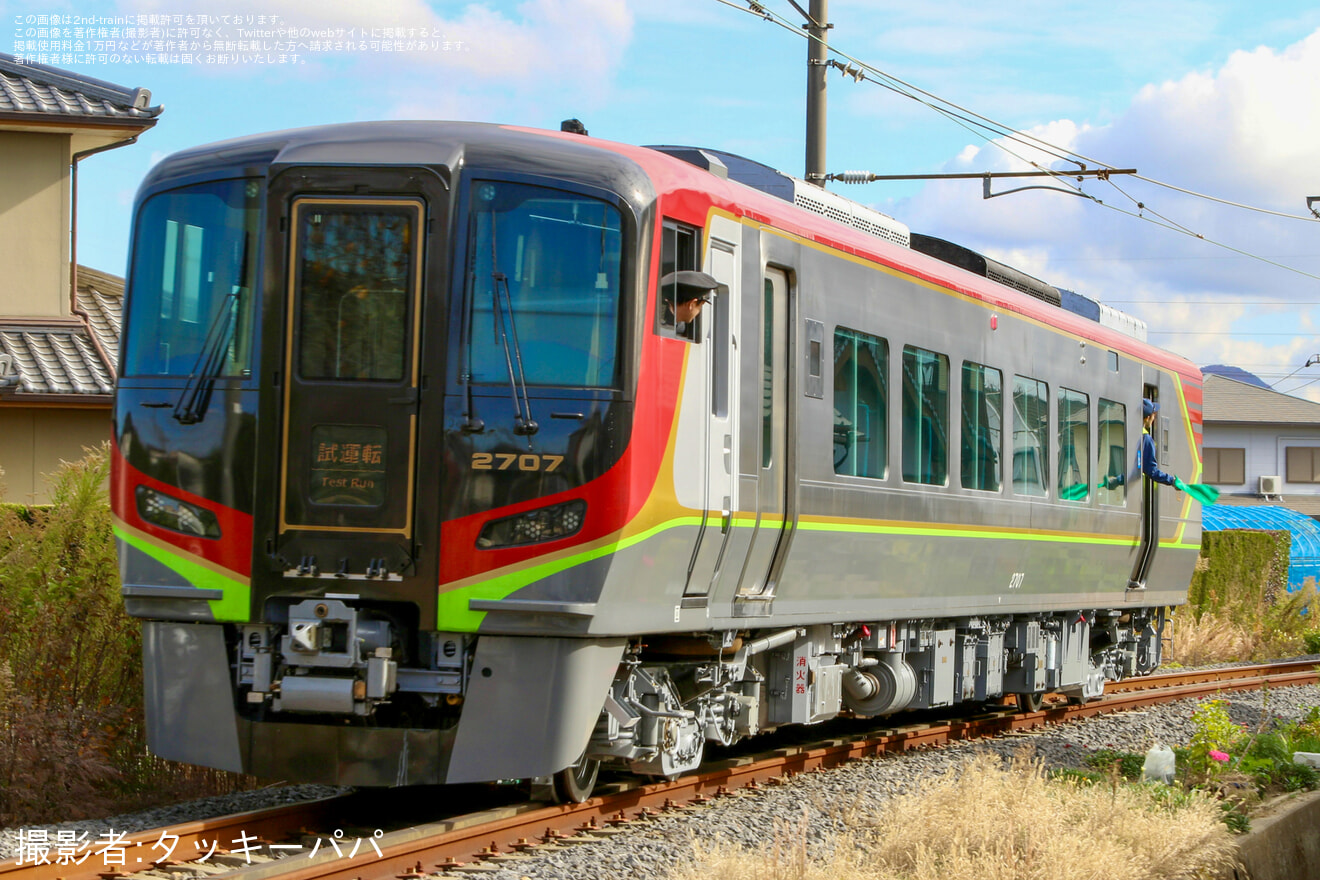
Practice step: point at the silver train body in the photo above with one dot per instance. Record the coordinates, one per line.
(870, 481)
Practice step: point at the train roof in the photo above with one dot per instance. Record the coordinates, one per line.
(452, 145)
(675, 176)
(638, 174)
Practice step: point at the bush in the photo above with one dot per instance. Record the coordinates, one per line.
(1128, 764)
(1239, 603)
(72, 739)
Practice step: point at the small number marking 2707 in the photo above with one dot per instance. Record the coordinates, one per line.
(1015, 582)
(504, 461)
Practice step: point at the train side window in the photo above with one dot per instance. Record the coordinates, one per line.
(680, 249)
(1111, 452)
(1074, 445)
(1031, 431)
(861, 404)
(982, 426)
(925, 416)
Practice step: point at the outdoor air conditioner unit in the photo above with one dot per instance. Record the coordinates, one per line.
(1271, 486)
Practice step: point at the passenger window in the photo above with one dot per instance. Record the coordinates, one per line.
(1074, 445)
(1111, 452)
(680, 250)
(1031, 424)
(861, 401)
(982, 426)
(925, 416)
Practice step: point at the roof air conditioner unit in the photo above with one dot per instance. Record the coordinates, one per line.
(1270, 485)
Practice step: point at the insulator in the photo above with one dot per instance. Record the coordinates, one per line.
(856, 177)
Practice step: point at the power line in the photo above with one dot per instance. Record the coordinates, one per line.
(1213, 302)
(1311, 361)
(971, 121)
(1244, 333)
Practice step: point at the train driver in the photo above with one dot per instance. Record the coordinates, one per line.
(683, 294)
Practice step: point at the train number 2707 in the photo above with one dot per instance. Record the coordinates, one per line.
(505, 461)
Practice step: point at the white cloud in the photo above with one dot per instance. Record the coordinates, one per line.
(572, 44)
(1245, 132)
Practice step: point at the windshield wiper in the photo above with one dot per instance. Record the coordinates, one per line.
(523, 423)
(506, 329)
(196, 395)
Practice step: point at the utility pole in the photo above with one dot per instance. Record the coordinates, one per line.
(817, 51)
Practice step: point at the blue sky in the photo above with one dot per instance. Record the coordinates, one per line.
(1213, 96)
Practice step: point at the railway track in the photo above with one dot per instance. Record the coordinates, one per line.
(285, 842)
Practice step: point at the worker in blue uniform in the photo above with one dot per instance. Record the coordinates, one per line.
(1148, 465)
(1147, 462)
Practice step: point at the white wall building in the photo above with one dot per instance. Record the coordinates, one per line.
(1261, 445)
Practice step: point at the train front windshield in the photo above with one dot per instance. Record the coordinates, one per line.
(193, 274)
(543, 287)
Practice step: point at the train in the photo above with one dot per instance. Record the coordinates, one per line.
(418, 478)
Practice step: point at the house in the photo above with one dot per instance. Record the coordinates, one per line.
(1261, 446)
(59, 322)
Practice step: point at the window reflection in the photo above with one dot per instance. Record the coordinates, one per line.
(925, 416)
(542, 287)
(1031, 422)
(194, 269)
(982, 426)
(354, 273)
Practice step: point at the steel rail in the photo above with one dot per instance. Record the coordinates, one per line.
(500, 834)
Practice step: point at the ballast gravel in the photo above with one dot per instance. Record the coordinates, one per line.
(809, 803)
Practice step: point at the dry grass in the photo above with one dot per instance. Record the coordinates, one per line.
(992, 823)
(1212, 639)
(1256, 628)
(72, 740)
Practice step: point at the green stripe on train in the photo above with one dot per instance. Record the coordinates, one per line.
(234, 607)
(453, 614)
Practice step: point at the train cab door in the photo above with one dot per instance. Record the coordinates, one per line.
(719, 363)
(772, 515)
(1149, 496)
(348, 451)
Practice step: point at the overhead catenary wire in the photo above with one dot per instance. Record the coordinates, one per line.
(1000, 136)
(970, 120)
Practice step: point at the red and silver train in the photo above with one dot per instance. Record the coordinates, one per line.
(418, 478)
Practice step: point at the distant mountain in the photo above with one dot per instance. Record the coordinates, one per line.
(1236, 373)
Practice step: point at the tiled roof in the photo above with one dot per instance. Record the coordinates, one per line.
(58, 355)
(101, 298)
(35, 89)
(1228, 400)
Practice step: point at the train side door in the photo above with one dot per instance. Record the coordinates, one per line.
(348, 451)
(1149, 495)
(718, 351)
(756, 587)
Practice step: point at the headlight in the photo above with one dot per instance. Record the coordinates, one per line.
(171, 513)
(534, 526)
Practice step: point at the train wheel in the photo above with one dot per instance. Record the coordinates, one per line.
(574, 783)
(1029, 702)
